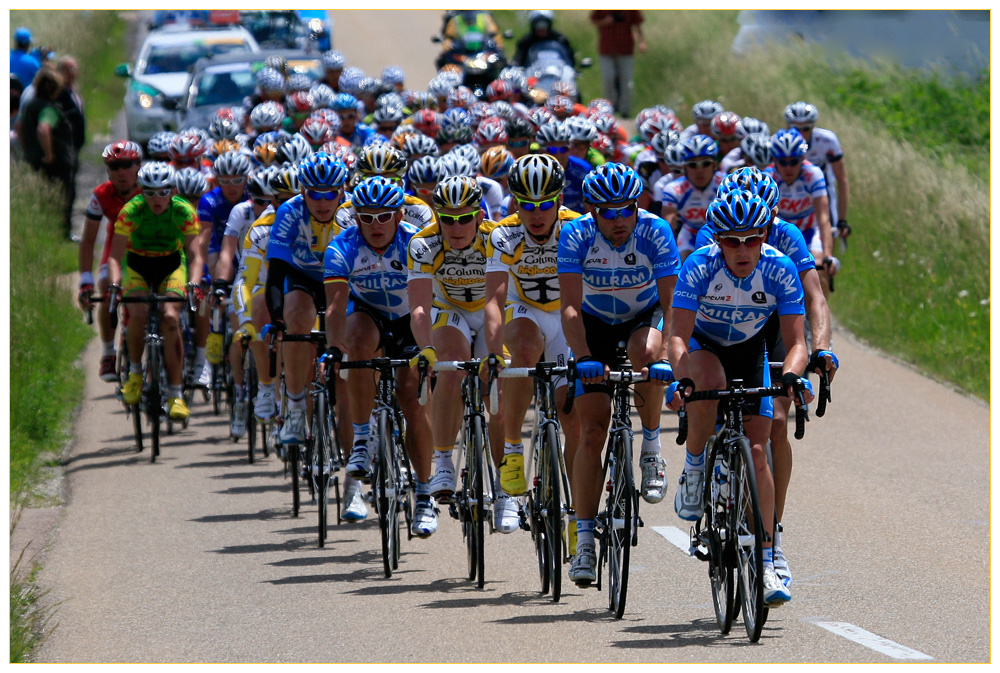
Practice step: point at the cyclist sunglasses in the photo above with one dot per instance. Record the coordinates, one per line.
(261, 202)
(789, 162)
(120, 165)
(805, 129)
(557, 150)
(753, 241)
(321, 196)
(458, 219)
(226, 182)
(530, 206)
(704, 163)
(615, 213)
(517, 143)
(728, 139)
(385, 217)
(166, 191)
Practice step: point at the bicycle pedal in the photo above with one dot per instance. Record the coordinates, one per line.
(641, 524)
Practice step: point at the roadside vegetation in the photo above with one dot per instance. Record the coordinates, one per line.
(915, 277)
(47, 331)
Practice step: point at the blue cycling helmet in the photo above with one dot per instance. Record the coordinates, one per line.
(698, 146)
(322, 171)
(345, 101)
(751, 180)
(738, 211)
(456, 115)
(377, 192)
(788, 144)
(425, 170)
(611, 183)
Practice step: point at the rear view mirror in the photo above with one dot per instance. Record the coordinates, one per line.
(123, 70)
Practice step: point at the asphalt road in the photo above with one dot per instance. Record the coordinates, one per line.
(197, 559)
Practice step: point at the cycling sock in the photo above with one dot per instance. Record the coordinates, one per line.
(297, 400)
(585, 532)
(174, 391)
(650, 440)
(108, 348)
(134, 367)
(199, 357)
(442, 458)
(512, 447)
(423, 489)
(768, 557)
(238, 390)
(362, 431)
(694, 463)
(777, 535)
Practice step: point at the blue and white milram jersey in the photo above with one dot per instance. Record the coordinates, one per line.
(213, 211)
(300, 240)
(619, 283)
(576, 170)
(731, 310)
(784, 236)
(377, 279)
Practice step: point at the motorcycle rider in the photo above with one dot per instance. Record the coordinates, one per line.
(468, 31)
(540, 21)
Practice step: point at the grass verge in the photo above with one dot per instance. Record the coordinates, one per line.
(915, 279)
(48, 337)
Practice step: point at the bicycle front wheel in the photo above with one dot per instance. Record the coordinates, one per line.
(747, 525)
(293, 466)
(721, 547)
(621, 510)
(385, 492)
(320, 465)
(154, 402)
(473, 495)
(551, 510)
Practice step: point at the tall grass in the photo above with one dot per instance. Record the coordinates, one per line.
(915, 279)
(47, 333)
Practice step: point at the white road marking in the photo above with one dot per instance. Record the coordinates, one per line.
(872, 641)
(676, 537)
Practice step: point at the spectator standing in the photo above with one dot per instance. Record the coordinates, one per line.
(47, 137)
(618, 34)
(24, 64)
(72, 107)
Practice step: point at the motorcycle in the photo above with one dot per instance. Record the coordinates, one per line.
(550, 63)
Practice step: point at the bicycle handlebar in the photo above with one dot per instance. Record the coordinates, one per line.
(740, 394)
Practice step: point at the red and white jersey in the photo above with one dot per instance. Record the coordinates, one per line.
(107, 202)
(795, 202)
(733, 160)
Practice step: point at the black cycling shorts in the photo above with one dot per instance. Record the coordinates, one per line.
(603, 340)
(296, 280)
(395, 336)
(746, 361)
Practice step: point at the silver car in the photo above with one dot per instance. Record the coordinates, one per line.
(162, 69)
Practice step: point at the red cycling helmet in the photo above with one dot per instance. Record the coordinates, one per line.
(725, 125)
(122, 150)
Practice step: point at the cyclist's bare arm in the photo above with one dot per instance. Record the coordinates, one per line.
(670, 214)
(421, 293)
(817, 310)
(118, 245)
(196, 259)
(843, 188)
(87, 242)
(336, 313)
(681, 329)
(822, 207)
(496, 298)
(224, 267)
(665, 288)
(571, 298)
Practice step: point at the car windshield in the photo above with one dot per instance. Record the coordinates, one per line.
(224, 88)
(180, 57)
(276, 29)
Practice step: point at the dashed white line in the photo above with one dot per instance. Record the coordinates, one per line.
(870, 640)
(856, 634)
(676, 537)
